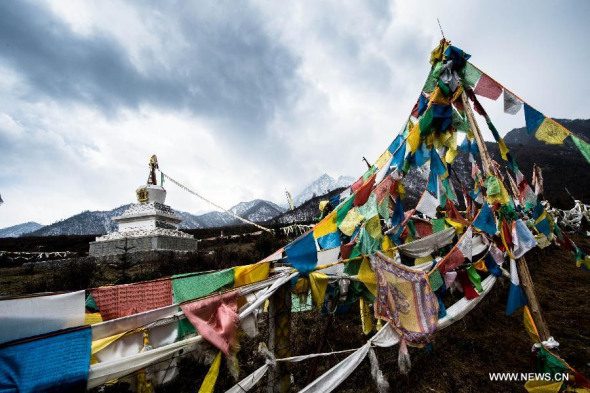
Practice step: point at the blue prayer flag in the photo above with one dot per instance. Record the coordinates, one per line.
(330, 240)
(302, 254)
(398, 212)
(544, 226)
(436, 164)
(57, 362)
(422, 155)
(395, 144)
(533, 118)
(432, 185)
(398, 157)
(443, 115)
(422, 104)
(485, 220)
(492, 266)
(516, 299)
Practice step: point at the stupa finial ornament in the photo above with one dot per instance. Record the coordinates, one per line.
(143, 193)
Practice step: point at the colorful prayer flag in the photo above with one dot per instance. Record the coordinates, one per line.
(533, 118)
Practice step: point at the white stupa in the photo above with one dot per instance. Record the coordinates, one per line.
(147, 225)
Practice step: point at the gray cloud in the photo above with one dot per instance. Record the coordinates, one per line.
(231, 71)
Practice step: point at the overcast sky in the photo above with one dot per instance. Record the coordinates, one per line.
(240, 100)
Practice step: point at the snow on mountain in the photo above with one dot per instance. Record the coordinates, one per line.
(100, 222)
(321, 186)
(20, 229)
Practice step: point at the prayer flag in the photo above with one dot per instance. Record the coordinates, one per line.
(583, 147)
(330, 240)
(302, 253)
(350, 222)
(215, 318)
(487, 87)
(398, 213)
(53, 362)
(362, 195)
(522, 239)
(470, 75)
(405, 299)
(516, 297)
(468, 290)
(511, 104)
(533, 118)
(485, 221)
(551, 133)
(328, 225)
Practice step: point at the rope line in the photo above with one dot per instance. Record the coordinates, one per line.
(214, 204)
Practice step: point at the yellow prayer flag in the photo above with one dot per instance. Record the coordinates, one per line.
(387, 243)
(503, 198)
(208, 385)
(414, 138)
(419, 261)
(450, 156)
(457, 225)
(366, 317)
(367, 276)
(439, 98)
(481, 266)
(91, 319)
(542, 386)
(100, 344)
(529, 325)
(249, 274)
(328, 225)
(373, 227)
(323, 205)
(383, 159)
(318, 282)
(503, 149)
(352, 219)
(551, 133)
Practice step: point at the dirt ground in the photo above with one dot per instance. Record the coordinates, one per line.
(462, 356)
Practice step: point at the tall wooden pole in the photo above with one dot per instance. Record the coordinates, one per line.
(523, 270)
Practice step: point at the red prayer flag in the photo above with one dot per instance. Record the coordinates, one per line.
(487, 87)
(468, 288)
(215, 319)
(363, 193)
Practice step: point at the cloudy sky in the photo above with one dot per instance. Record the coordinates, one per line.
(241, 100)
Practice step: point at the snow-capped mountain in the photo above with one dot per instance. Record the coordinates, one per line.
(20, 229)
(321, 186)
(100, 222)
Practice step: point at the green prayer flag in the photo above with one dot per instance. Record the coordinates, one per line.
(436, 280)
(383, 208)
(190, 286)
(344, 209)
(91, 303)
(459, 122)
(426, 123)
(470, 75)
(438, 225)
(548, 363)
(582, 146)
(492, 185)
(475, 278)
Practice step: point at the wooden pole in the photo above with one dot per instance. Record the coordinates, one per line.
(529, 291)
(279, 339)
(483, 150)
(523, 270)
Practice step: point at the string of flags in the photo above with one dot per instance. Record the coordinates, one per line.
(400, 261)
